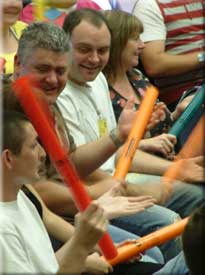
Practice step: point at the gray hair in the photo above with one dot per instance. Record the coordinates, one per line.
(42, 35)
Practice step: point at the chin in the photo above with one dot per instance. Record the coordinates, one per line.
(91, 77)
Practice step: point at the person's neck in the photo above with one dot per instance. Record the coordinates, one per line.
(9, 190)
(76, 81)
(120, 78)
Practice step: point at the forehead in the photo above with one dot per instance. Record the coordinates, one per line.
(47, 57)
(87, 33)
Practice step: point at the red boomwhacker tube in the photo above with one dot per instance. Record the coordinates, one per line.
(57, 154)
(137, 132)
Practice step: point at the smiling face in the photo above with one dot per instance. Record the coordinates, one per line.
(49, 70)
(131, 52)
(89, 51)
(10, 11)
(27, 163)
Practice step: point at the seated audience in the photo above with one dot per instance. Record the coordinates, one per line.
(43, 52)
(86, 108)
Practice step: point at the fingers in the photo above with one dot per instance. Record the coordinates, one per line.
(140, 199)
(167, 144)
(95, 215)
(136, 205)
(199, 160)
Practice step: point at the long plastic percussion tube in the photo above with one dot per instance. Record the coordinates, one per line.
(57, 154)
(189, 112)
(137, 132)
(158, 237)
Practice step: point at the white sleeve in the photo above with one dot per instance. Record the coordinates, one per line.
(150, 15)
(13, 256)
(71, 115)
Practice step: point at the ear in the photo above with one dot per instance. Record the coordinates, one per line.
(7, 158)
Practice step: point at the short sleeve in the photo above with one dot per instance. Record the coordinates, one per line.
(151, 17)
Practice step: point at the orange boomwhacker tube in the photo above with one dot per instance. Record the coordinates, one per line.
(137, 132)
(158, 237)
(194, 146)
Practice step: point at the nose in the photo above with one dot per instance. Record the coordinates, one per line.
(94, 57)
(52, 78)
(42, 153)
(141, 44)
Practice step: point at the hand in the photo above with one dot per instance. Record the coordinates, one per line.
(128, 116)
(95, 264)
(191, 169)
(135, 258)
(126, 119)
(181, 107)
(116, 205)
(90, 226)
(158, 114)
(163, 144)
(160, 191)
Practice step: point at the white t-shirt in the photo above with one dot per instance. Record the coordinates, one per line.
(24, 242)
(82, 108)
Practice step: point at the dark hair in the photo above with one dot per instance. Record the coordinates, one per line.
(193, 240)
(42, 35)
(123, 26)
(13, 135)
(75, 17)
(9, 100)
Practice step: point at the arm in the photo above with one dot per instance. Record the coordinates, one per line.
(147, 163)
(90, 227)
(55, 225)
(158, 63)
(97, 152)
(63, 231)
(163, 144)
(58, 197)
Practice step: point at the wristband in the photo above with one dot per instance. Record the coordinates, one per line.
(201, 57)
(115, 139)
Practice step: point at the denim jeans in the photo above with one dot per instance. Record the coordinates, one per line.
(185, 198)
(176, 266)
